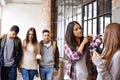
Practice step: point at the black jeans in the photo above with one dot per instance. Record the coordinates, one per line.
(9, 73)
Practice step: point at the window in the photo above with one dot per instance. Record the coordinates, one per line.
(97, 14)
(93, 15)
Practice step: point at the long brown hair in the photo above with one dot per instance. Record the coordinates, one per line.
(111, 42)
(34, 40)
(69, 36)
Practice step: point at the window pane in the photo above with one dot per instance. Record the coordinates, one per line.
(59, 29)
(107, 20)
(59, 13)
(101, 25)
(74, 7)
(66, 24)
(70, 11)
(107, 4)
(74, 18)
(90, 27)
(67, 11)
(62, 39)
(62, 12)
(85, 28)
(70, 19)
(95, 9)
(79, 18)
(95, 26)
(100, 5)
(79, 9)
(85, 12)
(89, 11)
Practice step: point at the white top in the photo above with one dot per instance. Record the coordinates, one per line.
(29, 58)
(81, 69)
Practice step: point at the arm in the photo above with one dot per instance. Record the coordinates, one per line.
(114, 68)
(56, 66)
(19, 53)
(76, 55)
(38, 55)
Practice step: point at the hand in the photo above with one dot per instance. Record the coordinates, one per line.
(39, 57)
(95, 56)
(89, 78)
(85, 40)
(55, 72)
(37, 74)
(19, 69)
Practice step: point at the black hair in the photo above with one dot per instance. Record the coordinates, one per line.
(15, 28)
(45, 30)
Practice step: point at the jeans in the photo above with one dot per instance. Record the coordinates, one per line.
(46, 73)
(28, 74)
(9, 73)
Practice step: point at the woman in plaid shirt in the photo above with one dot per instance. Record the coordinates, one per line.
(76, 49)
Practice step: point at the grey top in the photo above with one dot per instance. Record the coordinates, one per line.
(113, 73)
(47, 56)
(8, 53)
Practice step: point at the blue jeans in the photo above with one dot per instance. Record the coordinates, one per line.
(9, 73)
(28, 74)
(46, 73)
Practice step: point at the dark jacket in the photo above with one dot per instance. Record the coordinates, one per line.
(17, 52)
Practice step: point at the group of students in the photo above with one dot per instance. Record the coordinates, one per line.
(27, 55)
(80, 52)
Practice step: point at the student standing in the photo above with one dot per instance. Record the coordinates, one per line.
(108, 64)
(77, 48)
(31, 48)
(12, 54)
(50, 63)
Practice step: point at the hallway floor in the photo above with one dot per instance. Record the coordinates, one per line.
(19, 77)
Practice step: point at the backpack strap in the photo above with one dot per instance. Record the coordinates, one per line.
(16, 45)
(54, 46)
(3, 40)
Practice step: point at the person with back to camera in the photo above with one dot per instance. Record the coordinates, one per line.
(108, 63)
(76, 49)
(31, 53)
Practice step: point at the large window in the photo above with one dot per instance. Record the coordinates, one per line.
(67, 11)
(97, 14)
(93, 15)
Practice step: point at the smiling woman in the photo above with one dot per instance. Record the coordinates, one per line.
(31, 49)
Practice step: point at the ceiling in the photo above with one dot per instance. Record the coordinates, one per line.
(3, 2)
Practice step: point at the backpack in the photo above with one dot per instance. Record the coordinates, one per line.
(4, 40)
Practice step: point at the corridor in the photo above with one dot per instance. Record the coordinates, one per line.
(19, 77)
